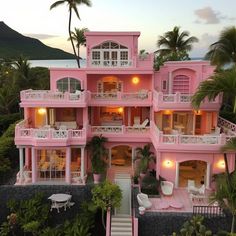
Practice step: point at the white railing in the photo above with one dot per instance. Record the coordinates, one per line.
(36, 95)
(51, 133)
(119, 129)
(111, 63)
(227, 126)
(177, 97)
(120, 96)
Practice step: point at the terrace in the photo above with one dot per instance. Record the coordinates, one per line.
(180, 101)
(48, 135)
(35, 98)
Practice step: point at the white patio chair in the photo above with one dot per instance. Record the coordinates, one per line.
(143, 125)
(144, 201)
(167, 188)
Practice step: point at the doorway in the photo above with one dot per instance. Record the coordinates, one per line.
(121, 156)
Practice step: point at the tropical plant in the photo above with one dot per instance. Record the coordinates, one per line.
(80, 39)
(98, 153)
(145, 156)
(175, 42)
(194, 227)
(106, 196)
(150, 185)
(225, 195)
(73, 6)
(223, 82)
(223, 51)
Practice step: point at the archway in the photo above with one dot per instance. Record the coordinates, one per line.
(121, 156)
(192, 170)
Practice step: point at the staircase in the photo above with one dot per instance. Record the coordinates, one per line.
(121, 225)
(121, 222)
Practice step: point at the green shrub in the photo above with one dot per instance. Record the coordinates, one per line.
(7, 120)
(150, 185)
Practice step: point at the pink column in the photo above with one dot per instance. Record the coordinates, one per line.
(85, 116)
(34, 165)
(158, 164)
(68, 163)
(27, 157)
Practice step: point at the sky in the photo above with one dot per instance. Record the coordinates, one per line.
(204, 19)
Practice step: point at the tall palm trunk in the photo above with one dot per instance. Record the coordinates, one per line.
(78, 56)
(233, 225)
(72, 43)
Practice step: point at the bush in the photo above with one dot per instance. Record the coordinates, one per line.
(150, 185)
(6, 120)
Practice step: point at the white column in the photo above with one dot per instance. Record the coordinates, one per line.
(170, 83)
(34, 167)
(177, 174)
(21, 163)
(208, 175)
(68, 163)
(82, 163)
(27, 157)
(133, 157)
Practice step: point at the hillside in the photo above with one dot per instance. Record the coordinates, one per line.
(13, 44)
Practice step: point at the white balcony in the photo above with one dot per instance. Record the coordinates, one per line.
(47, 97)
(111, 63)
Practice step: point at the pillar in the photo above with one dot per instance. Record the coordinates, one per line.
(133, 157)
(68, 165)
(21, 164)
(82, 163)
(158, 164)
(34, 165)
(208, 175)
(27, 161)
(177, 174)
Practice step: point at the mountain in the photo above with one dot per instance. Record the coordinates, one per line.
(13, 44)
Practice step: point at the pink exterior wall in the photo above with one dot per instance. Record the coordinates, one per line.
(197, 71)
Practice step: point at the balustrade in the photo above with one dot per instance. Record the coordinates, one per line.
(227, 126)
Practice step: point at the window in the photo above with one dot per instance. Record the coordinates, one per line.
(181, 83)
(68, 85)
(124, 55)
(96, 55)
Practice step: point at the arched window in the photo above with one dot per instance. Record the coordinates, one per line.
(68, 85)
(110, 54)
(181, 84)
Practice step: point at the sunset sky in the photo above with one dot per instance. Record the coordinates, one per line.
(203, 18)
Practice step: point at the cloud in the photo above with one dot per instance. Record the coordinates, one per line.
(41, 36)
(208, 16)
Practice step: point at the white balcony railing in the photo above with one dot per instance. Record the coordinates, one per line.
(121, 96)
(48, 95)
(111, 63)
(227, 126)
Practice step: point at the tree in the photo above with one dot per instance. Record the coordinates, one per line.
(106, 196)
(223, 82)
(223, 51)
(225, 194)
(175, 42)
(145, 156)
(98, 152)
(80, 39)
(73, 6)
(174, 46)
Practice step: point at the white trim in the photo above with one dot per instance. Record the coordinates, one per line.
(177, 174)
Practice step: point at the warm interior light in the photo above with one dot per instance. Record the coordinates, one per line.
(120, 109)
(167, 112)
(135, 80)
(197, 112)
(168, 163)
(221, 164)
(42, 111)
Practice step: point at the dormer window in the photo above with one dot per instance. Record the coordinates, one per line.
(110, 54)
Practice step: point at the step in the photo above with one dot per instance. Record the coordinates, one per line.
(121, 233)
(121, 218)
(121, 229)
(121, 223)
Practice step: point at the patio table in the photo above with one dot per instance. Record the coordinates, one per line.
(60, 200)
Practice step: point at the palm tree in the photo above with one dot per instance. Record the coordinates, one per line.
(80, 39)
(224, 50)
(98, 152)
(72, 4)
(175, 42)
(145, 156)
(225, 195)
(223, 82)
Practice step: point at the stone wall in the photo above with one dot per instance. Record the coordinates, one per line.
(79, 195)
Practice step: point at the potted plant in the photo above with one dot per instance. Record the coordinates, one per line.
(98, 155)
(145, 156)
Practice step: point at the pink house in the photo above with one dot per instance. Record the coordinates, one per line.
(120, 96)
